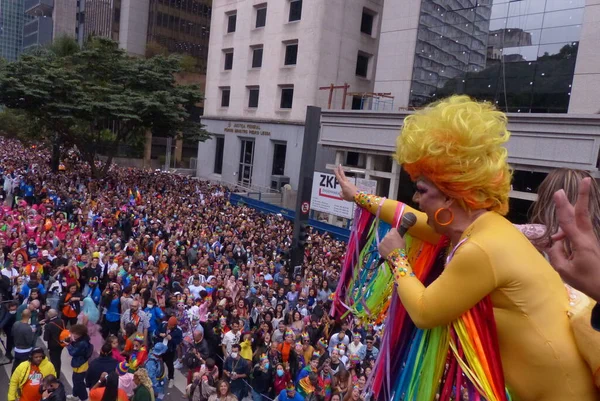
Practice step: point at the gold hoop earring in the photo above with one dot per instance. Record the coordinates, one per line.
(435, 217)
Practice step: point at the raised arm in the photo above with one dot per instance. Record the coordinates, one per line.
(466, 280)
(350, 192)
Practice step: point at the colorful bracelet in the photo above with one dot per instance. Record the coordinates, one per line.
(401, 267)
(366, 200)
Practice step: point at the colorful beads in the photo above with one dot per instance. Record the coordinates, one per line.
(366, 200)
(401, 267)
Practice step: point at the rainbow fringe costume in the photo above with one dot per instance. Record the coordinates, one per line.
(459, 360)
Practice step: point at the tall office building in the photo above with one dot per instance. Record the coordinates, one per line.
(520, 55)
(266, 63)
(12, 19)
(51, 19)
(179, 26)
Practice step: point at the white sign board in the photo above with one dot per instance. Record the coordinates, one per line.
(326, 198)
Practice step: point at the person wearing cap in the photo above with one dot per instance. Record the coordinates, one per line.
(170, 335)
(289, 394)
(368, 351)
(156, 369)
(155, 317)
(26, 380)
(356, 344)
(262, 379)
(125, 378)
(92, 290)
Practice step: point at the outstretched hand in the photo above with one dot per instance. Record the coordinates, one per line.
(580, 269)
(348, 188)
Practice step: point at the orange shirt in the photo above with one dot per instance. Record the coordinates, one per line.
(31, 389)
(97, 394)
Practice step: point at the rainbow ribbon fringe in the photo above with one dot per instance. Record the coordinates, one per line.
(454, 362)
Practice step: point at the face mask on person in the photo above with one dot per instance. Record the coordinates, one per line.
(280, 372)
(234, 355)
(150, 306)
(12, 312)
(342, 352)
(267, 366)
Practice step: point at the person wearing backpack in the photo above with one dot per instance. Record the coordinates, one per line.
(80, 350)
(156, 370)
(54, 334)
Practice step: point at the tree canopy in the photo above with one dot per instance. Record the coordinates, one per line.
(97, 98)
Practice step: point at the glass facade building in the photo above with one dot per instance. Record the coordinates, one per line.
(12, 19)
(519, 54)
(181, 26)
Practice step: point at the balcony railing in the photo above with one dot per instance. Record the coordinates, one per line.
(38, 8)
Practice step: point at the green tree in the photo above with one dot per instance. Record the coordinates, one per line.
(98, 98)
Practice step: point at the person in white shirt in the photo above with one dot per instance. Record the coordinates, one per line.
(355, 345)
(338, 338)
(230, 338)
(196, 288)
(10, 272)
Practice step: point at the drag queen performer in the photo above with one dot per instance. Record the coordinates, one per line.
(453, 151)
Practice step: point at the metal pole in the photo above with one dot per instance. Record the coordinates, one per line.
(168, 155)
(307, 169)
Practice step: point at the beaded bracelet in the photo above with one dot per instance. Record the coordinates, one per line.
(365, 200)
(400, 264)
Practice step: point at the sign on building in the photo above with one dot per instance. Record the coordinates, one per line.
(326, 198)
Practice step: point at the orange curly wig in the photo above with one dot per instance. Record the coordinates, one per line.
(457, 144)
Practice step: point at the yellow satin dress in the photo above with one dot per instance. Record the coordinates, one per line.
(539, 354)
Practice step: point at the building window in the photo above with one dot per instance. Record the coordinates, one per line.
(357, 103)
(366, 24)
(279, 151)
(362, 65)
(220, 148)
(295, 10)
(291, 54)
(253, 93)
(261, 17)
(246, 162)
(225, 95)
(231, 22)
(228, 60)
(257, 56)
(287, 97)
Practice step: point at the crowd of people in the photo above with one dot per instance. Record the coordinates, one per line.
(142, 273)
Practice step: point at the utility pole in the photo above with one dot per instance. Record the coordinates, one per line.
(305, 181)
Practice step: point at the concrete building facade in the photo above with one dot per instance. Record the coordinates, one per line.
(266, 63)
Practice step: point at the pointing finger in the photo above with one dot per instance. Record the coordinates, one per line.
(582, 206)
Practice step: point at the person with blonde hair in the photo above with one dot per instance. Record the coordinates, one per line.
(454, 152)
(143, 390)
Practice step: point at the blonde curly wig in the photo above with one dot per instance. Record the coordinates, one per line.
(457, 144)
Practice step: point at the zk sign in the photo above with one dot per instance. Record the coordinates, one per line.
(326, 198)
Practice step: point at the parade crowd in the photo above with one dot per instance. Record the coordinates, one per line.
(143, 273)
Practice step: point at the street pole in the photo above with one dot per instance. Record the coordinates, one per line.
(305, 181)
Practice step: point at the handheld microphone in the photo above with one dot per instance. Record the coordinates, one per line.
(408, 220)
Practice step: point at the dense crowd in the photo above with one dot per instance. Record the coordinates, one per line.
(142, 273)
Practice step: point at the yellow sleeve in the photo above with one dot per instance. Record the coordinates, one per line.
(14, 381)
(466, 280)
(420, 230)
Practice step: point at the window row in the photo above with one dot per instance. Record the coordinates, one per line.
(260, 15)
(286, 93)
(363, 60)
(180, 24)
(295, 14)
(190, 6)
(290, 57)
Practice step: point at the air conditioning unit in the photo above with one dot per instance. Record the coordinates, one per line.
(278, 181)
